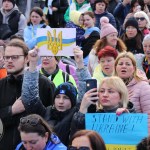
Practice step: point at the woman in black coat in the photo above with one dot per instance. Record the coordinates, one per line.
(59, 7)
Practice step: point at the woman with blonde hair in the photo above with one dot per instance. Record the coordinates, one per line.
(108, 37)
(143, 22)
(112, 97)
(138, 88)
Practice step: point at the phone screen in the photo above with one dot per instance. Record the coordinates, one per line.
(90, 84)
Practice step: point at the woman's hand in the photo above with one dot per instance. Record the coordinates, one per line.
(78, 55)
(119, 111)
(88, 99)
(54, 8)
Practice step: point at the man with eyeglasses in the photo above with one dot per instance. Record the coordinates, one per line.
(11, 106)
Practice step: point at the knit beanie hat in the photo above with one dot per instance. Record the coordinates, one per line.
(106, 27)
(12, 1)
(132, 22)
(68, 89)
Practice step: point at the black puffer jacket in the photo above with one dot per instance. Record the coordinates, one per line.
(89, 42)
(56, 20)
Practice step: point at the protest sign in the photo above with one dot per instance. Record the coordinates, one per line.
(56, 41)
(119, 132)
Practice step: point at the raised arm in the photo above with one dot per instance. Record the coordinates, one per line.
(30, 87)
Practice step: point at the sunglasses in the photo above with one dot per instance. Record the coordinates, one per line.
(140, 18)
(32, 122)
(80, 148)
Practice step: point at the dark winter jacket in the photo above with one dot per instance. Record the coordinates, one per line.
(89, 42)
(14, 19)
(112, 4)
(134, 45)
(121, 11)
(56, 20)
(106, 14)
(59, 121)
(10, 91)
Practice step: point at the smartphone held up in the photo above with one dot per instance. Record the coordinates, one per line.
(91, 84)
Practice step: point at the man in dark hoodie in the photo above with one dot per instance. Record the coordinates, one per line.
(11, 21)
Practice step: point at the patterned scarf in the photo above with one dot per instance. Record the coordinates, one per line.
(146, 67)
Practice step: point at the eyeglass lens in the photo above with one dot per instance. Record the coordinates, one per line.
(140, 18)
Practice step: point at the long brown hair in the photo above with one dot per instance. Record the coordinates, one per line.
(35, 124)
(39, 11)
(121, 47)
(95, 139)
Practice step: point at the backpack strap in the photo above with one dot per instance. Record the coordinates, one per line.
(65, 76)
(67, 69)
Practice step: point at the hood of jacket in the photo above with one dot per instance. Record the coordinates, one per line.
(74, 16)
(80, 5)
(7, 14)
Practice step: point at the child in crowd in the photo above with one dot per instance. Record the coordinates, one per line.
(91, 35)
(76, 21)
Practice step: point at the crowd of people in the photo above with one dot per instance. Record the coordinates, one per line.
(44, 100)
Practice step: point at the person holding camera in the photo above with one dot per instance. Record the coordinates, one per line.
(110, 97)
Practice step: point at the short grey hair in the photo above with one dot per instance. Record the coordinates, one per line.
(146, 38)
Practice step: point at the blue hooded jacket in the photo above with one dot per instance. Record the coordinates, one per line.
(57, 145)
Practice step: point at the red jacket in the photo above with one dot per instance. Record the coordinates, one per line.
(3, 73)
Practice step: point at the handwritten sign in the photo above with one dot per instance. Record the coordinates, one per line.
(56, 41)
(126, 129)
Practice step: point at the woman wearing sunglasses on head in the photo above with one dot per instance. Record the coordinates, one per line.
(86, 140)
(36, 134)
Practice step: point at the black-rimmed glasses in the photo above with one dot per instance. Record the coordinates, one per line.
(80, 148)
(13, 57)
